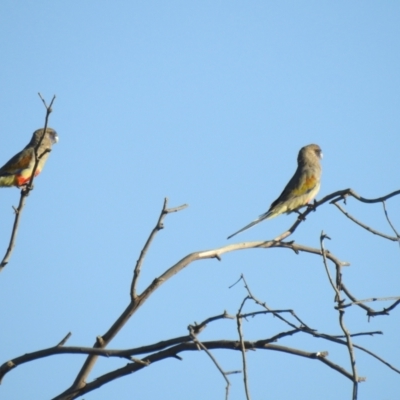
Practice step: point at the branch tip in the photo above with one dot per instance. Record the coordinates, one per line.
(68, 335)
(100, 341)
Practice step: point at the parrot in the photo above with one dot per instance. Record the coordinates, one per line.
(300, 190)
(18, 170)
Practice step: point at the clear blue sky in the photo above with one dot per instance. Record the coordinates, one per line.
(208, 103)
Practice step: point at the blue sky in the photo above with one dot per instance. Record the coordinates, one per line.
(206, 103)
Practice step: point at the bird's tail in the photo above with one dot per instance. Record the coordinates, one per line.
(266, 215)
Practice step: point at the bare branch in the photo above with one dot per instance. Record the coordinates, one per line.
(172, 352)
(388, 220)
(370, 201)
(201, 346)
(49, 110)
(371, 299)
(68, 335)
(197, 328)
(128, 353)
(25, 192)
(334, 197)
(305, 329)
(276, 313)
(335, 287)
(242, 347)
(137, 300)
(11, 245)
(156, 229)
(368, 228)
(370, 311)
(377, 357)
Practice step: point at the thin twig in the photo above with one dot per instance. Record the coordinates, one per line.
(377, 357)
(67, 336)
(370, 311)
(11, 245)
(38, 156)
(351, 354)
(370, 201)
(156, 229)
(242, 347)
(274, 312)
(303, 328)
(25, 192)
(197, 328)
(368, 228)
(337, 288)
(323, 251)
(370, 300)
(159, 225)
(388, 220)
(213, 359)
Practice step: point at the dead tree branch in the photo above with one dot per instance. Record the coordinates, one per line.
(26, 189)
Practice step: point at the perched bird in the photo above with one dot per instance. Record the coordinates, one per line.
(18, 170)
(300, 190)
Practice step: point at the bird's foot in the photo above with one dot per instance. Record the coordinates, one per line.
(312, 206)
(26, 188)
(301, 216)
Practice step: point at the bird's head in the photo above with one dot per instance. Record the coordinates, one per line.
(310, 154)
(49, 138)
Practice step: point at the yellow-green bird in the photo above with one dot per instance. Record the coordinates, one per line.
(300, 190)
(18, 170)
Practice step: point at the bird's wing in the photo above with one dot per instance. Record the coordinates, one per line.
(17, 163)
(302, 182)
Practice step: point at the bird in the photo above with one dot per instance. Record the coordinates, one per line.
(300, 190)
(18, 170)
